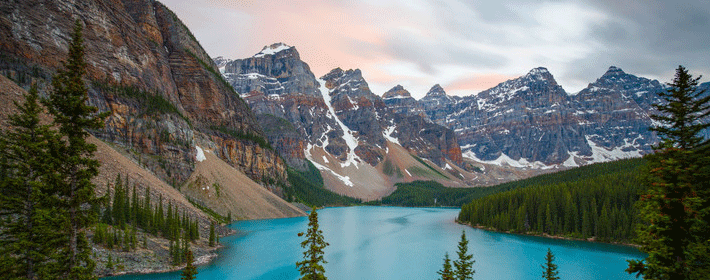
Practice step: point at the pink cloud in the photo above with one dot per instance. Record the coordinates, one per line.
(477, 82)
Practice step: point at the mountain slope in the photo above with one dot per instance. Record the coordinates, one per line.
(335, 121)
(164, 94)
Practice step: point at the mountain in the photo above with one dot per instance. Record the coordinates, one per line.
(532, 122)
(400, 101)
(166, 98)
(337, 123)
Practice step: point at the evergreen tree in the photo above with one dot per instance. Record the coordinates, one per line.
(549, 270)
(463, 267)
(446, 272)
(190, 270)
(28, 236)
(675, 211)
(311, 267)
(211, 240)
(68, 105)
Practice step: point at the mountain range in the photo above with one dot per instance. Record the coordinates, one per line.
(528, 123)
(264, 114)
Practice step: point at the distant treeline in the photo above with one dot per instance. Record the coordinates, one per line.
(424, 193)
(307, 187)
(598, 203)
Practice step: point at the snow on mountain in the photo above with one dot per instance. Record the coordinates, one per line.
(348, 136)
(272, 49)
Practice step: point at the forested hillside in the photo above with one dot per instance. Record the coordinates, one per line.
(424, 193)
(598, 204)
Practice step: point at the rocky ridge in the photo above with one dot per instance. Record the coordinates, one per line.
(532, 122)
(337, 114)
(164, 92)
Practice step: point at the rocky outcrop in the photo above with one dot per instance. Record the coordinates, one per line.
(400, 101)
(163, 92)
(285, 95)
(282, 90)
(532, 122)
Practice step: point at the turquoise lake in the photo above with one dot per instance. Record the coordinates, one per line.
(368, 242)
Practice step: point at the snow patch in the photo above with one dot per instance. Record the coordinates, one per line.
(200, 154)
(345, 179)
(348, 136)
(570, 160)
(410, 174)
(504, 159)
(273, 49)
(387, 133)
(601, 154)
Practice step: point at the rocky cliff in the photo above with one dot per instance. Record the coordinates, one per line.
(164, 92)
(335, 121)
(532, 122)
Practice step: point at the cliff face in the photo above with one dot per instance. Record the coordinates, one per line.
(164, 92)
(531, 121)
(293, 107)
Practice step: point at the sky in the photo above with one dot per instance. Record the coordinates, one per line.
(466, 46)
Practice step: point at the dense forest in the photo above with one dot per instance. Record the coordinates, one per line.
(430, 193)
(307, 187)
(600, 204)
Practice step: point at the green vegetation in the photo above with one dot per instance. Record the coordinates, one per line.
(151, 103)
(599, 204)
(422, 193)
(674, 212)
(244, 135)
(418, 171)
(190, 270)
(390, 169)
(209, 211)
(311, 267)
(463, 266)
(549, 269)
(307, 187)
(446, 273)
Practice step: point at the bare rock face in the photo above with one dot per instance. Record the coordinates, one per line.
(368, 115)
(164, 92)
(532, 121)
(285, 96)
(615, 111)
(400, 101)
(290, 103)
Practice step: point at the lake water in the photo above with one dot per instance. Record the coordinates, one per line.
(400, 243)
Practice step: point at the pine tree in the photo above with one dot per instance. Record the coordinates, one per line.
(28, 237)
(549, 270)
(190, 270)
(311, 267)
(68, 105)
(446, 272)
(211, 240)
(463, 267)
(675, 211)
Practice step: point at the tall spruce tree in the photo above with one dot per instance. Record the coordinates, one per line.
(190, 270)
(27, 222)
(74, 158)
(311, 267)
(446, 272)
(549, 269)
(675, 210)
(463, 267)
(211, 238)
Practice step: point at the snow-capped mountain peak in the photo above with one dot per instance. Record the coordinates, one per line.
(272, 49)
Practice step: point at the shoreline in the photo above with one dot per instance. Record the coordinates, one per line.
(545, 235)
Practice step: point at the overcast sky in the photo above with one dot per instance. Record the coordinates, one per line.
(467, 45)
